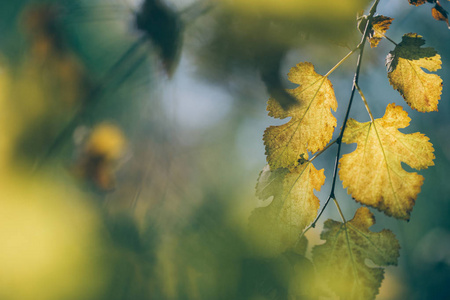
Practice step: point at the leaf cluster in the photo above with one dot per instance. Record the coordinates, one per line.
(372, 174)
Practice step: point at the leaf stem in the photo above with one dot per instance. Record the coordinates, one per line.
(92, 98)
(313, 224)
(365, 102)
(386, 37)
(341, 134)
(340, 211)
(323, 150)
(341, 62)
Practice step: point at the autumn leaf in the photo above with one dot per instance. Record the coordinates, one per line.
(380, 25)
(416, 2)
(421, 90)
(341, 260)
(277, 226)
(312, 123)
(373, 173)
(440, 14)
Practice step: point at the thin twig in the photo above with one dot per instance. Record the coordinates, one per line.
(386, 37)
(365, 102)
(341, 61)
(91, 99)
(340, 211)
(323, 150)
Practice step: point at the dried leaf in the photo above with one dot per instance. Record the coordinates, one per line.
(380, 25)
(373, 173)
(416, 2)
(440, 14)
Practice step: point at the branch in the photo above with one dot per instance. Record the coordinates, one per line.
(92, 98)
(341, 134)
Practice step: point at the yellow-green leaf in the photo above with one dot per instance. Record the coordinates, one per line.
(312, 123)
(373, 173)
(422, 91)
(380, 25)
(276, 227)
(341, 261)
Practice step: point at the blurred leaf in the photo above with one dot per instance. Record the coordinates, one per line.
(277, 226)
(341, 261)
(164, 28)
(100, 154)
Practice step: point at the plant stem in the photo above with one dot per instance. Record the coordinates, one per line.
(323, 150)
(386, 37)
(341, 61)
(92, 98)
(340, 211)
(355, 83)
(341, 134)
(365, 102)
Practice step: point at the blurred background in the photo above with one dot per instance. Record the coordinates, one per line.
(132, 141)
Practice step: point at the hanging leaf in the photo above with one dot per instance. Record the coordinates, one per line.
(373, 173)
(269, 182)
(416, 2)
(341, 260)
(440, 14)
(277, 226)
(422, 91)
(312, 123)
(380, 25)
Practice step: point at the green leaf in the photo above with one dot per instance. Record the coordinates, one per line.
(341, 260)
(422, 91)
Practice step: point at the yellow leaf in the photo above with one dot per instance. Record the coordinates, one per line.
(341, 260)
(380, 25)
(277, 227)
(422, 91)
(312, 123)
(373, 173)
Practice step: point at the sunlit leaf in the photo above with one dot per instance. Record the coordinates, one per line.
(341, 261)
(422, 91)
(373, 173)
(277, 226)
(312, 123)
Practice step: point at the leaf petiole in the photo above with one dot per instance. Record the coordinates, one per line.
(341, 61)
(340, 211)
(323, 150)
(365, 102)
